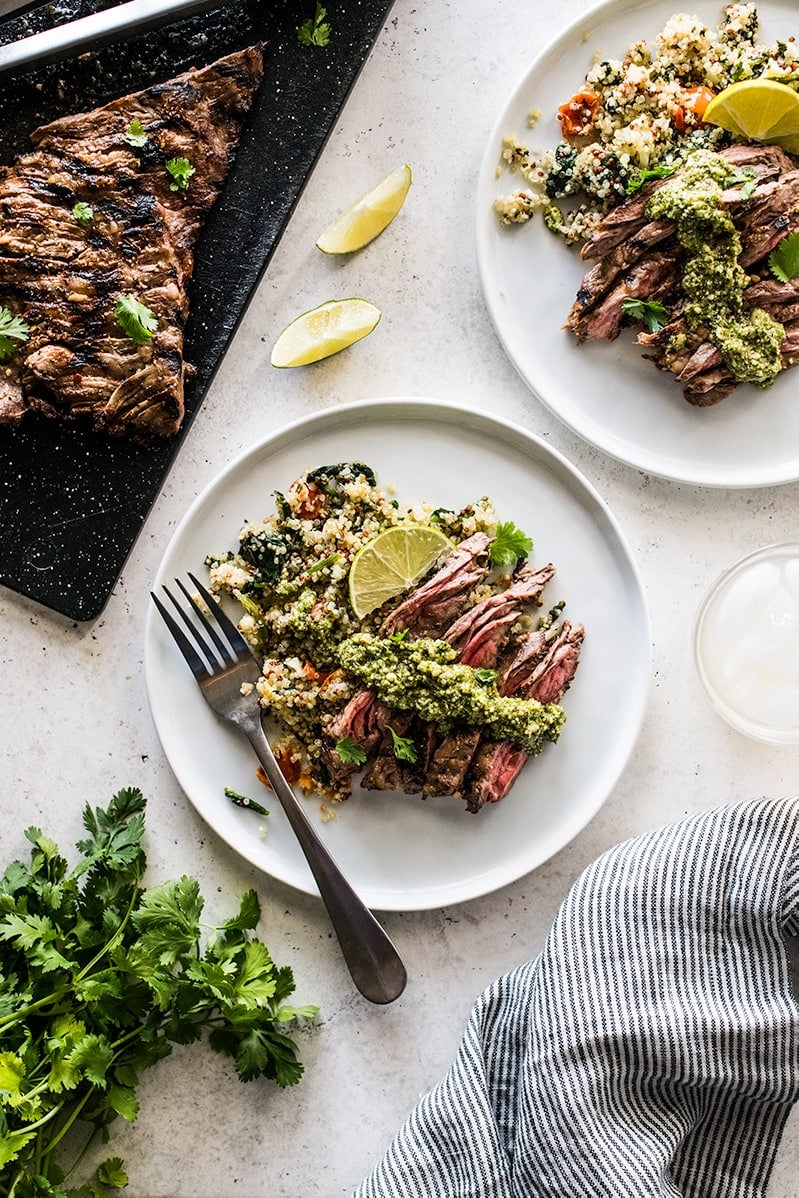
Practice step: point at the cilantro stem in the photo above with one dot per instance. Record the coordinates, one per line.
(116, 936)
(73, 1116)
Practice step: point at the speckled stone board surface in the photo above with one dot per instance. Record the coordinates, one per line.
(71, 502)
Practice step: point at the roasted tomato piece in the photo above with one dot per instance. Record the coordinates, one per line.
(577, 114)
(694, 101)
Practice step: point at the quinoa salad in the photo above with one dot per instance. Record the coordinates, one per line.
(447, 689)
(637, 114)
(690, 233)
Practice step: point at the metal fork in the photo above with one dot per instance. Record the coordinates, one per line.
(222, 669)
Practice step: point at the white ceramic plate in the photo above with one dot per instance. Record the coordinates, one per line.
(607, 393)
(399, 852)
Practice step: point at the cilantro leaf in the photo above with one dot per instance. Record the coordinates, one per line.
(783, 261)
(649, 312)
(248, 915)
(136, 134)
(316, 30)
(350, 752)
(748, 180)
(112, 1174)
(181, 171)
(639, 177)
(509, 544)
(403, 746)
(12, 330)
(138, 321)
(83, 213)
(484, 675)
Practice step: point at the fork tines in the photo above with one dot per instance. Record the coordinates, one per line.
(228, 654)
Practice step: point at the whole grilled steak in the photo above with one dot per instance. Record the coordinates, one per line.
(63, 275)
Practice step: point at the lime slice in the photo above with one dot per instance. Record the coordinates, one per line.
(324, 331)
(758, 110)
(368, 216)
(391, 563)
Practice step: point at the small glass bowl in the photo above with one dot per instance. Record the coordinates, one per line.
(746, 644)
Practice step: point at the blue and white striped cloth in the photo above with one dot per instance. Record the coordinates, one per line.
(652, 1049)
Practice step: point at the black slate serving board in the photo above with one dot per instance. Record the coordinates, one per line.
(71, 502)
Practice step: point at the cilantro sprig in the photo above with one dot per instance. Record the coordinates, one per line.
(135, 319)
(181, 171)
(783, 261)
(316, 30)
(509, 544)
(485, 675)
(83, 213)
(350, 752)
(136, 134)
(403, 747)
(649, 312)
(99, 977)
(13, 332)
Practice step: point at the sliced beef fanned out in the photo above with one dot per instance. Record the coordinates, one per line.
(63, 277)
(479, 634)
(496, 765)
(426, 611)
(389, 772)
(651, 279)
(632, 254)
(431, 607)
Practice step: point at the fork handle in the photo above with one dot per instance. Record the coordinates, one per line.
(373, 961)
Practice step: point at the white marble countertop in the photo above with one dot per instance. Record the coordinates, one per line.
(77, 726)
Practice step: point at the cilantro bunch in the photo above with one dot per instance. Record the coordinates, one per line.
(98, 978)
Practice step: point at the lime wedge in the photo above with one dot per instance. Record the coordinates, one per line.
(391, 563)
(758, 110)
(324, 331)
(368, 216)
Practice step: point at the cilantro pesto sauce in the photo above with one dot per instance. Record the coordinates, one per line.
(425, 675)
(713, 280)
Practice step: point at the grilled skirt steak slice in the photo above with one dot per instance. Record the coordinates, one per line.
(480, 634)
(497, 764)
(426, 611)
(626, 267)
(64, 278)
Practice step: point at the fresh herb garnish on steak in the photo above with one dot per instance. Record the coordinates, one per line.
(83, 213)
(181, 171)
(783, 262)
(138, 321)
(136, 134)
(13, 331)
(485, 675)
(509, 544)
(649, 312)
(350, 752)
(404, 748)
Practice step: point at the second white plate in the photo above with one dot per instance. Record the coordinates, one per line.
(399, 852)
(606, 392)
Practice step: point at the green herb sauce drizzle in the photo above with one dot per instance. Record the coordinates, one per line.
(713, 280)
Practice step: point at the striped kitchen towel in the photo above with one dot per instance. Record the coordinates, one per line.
(652, 1049)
